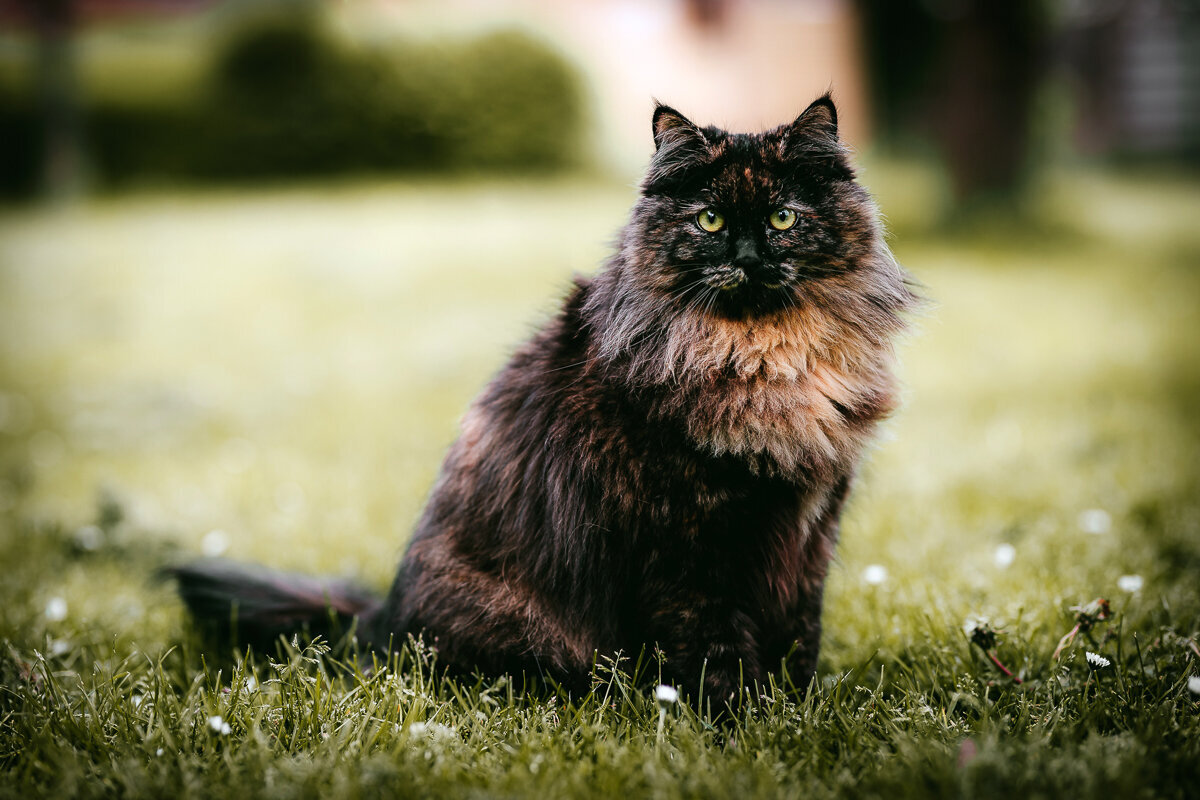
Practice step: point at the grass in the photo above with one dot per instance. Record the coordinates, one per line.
(275, 376)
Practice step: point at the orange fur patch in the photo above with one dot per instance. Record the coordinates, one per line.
(778, 386)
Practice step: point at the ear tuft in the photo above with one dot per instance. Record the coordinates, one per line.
(671, 126)
(679, 146)
(814, 132)
(821, 112)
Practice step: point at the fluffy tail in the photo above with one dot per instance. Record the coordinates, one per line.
(250, 605)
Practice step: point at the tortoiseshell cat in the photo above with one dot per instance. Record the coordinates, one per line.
(666, 462)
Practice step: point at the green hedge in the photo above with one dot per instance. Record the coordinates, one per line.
(283, 98)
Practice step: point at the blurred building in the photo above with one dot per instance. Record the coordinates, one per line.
(1135, 70)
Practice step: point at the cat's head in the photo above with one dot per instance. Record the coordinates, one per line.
(738, 224)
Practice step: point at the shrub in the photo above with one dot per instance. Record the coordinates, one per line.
(284, 98)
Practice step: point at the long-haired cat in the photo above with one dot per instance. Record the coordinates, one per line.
(665, 463)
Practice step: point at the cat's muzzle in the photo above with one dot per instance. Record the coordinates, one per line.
(729, 279)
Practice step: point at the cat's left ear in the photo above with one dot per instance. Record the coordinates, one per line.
(814, 133)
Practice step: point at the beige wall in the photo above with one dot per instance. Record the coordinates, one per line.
(759, 67)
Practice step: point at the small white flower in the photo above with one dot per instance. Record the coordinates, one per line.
(158, 752)
(89, 537)
(666, 696)
(440, 731)
(250, 684)
(1094, 520)
(1005, 555)
(214, 543)
(434, 731)
(219, 725)
(59, 647)
(56, 609)
(875, 574)
(1096, 660)
(1130, 583)
(1194, 684)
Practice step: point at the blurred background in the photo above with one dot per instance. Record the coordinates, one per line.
(256, 256)
(97, 94)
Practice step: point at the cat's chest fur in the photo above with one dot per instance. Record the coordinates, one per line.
(793, 395)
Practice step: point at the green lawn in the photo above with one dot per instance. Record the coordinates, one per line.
(274, 376)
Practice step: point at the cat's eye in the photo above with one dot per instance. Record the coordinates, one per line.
(710, 220)
(782, 218)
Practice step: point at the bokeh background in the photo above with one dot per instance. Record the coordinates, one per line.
(256, 257)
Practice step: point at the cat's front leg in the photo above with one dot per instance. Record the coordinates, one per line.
(711, 649)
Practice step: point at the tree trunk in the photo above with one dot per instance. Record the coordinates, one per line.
(62, 174)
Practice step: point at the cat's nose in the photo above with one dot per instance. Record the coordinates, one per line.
(745, 255)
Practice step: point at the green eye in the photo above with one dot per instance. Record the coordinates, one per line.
(783, 218)
(710, 220)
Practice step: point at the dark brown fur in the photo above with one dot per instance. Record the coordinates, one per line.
(665, 463)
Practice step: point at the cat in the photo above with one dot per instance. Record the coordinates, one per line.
(665, 463)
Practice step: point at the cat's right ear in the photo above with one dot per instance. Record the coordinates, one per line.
(678, 145)
(674, 129)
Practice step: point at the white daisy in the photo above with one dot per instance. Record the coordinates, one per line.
(1096, 660)
(875, 574)
(214, 543)
(1094, 520)
(1130, 583)
(56, 609)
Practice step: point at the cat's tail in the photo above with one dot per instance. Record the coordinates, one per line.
(251, 605)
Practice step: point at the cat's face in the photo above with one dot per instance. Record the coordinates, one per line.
(737, 224)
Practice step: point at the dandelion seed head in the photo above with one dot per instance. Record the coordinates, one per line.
(1096, 660)
(1095, 521)
(666, 694)
(1130, 583)
(1004, 555)
(56, 609)
(875, 574)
